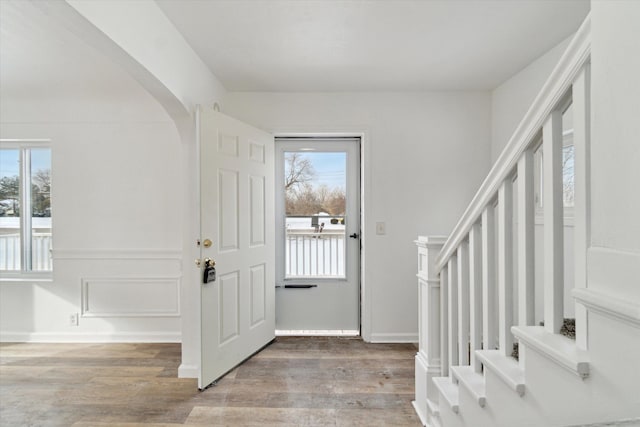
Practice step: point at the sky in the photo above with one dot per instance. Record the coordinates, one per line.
(329, 168)
(9, 166)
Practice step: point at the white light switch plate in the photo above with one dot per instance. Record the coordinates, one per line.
(381, 228)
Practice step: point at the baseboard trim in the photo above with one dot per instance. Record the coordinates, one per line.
(92, 337)
(400, 337)
(187, 371)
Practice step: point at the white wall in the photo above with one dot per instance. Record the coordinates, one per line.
(615, 227)
(425, 156)
(117, 184)
(511, 100)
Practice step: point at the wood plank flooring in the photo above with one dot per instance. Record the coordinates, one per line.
(294, 382)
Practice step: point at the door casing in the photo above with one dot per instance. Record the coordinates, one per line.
(334, 143)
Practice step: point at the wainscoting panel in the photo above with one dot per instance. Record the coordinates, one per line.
(130, 297)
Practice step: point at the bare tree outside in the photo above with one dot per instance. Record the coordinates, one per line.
(568, 175)
(298, 171)
(301, 197)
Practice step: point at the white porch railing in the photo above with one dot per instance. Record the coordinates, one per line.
(489, 257)
(314, 254)
(10, 252)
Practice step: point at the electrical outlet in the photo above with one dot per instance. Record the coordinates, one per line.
(73, 319)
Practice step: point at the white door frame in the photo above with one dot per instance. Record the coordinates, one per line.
(365, 197)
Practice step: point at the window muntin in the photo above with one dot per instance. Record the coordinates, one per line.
(25, 187)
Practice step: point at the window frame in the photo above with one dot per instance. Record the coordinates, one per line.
(24, 146)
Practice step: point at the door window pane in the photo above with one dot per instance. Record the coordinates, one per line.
(315, 201)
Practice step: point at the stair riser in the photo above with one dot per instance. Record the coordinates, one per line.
(610, 391)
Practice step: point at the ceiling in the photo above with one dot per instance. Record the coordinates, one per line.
(306, 46)
(367, 45)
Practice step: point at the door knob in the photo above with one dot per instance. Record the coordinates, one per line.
(207, 243)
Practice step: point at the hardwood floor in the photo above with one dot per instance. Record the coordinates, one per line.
(293, 382)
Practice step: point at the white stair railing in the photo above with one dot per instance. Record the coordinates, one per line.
(479, 274)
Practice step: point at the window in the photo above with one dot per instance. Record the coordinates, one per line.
(25, 208)
(568, 157)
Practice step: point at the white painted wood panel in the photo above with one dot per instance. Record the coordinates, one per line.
(237, 210)
(475, 293)
(444, 321)
(553, 223)
(452, 302)
(526, 239)
(463, 303)
(582, 190)
(488, 278)
(130, 297)
(505, 266)
(229, 198)
(229, 306)
(257, 210)
(258, 294)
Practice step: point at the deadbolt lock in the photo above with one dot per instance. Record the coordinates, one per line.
(207, 243)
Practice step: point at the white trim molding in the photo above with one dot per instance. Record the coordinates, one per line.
(170, 308)
(398, 337)
(92, 337)
(188, 371)
(118, 254)
(615, 308)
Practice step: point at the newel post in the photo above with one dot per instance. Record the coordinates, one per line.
(428, 363)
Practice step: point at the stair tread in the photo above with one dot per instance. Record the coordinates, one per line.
(473, 381)
(507, 368)
(448, 390)
(558, 348)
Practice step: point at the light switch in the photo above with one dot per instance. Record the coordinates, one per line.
(381, 228)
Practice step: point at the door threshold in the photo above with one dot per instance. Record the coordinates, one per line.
(317, 333)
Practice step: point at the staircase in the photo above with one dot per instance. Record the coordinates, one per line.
(479, 294)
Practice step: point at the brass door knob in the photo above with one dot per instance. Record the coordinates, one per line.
(207, 243)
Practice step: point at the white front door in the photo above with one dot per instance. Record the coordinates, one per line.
(318, 236)
(237, 233)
